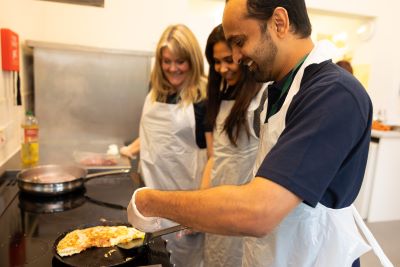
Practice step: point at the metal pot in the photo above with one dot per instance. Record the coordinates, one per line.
(57, 179)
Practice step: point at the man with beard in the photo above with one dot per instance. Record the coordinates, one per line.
(312, 155)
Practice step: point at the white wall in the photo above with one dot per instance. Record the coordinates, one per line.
(353, 7)
(137, 25)
(382, 50)
(385, 78)
(121, 24)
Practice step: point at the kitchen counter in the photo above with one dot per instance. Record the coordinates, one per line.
(378, 198)
(385, 134)
(64, 155)
(32, 223)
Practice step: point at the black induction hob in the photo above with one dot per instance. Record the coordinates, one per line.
(29, 224)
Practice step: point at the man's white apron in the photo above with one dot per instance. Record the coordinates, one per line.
(307, 237)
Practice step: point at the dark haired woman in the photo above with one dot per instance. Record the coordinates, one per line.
(234, 104)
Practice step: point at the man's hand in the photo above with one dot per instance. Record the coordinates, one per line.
(140, 222)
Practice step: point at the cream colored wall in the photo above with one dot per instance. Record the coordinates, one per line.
(121, 24)
(137, 25)
(385, 78)
(381, 52)
(353, 7)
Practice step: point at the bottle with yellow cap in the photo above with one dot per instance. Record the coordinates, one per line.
(30, 140)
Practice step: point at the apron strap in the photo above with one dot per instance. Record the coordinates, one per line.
(286, 86)
(257, 114)
(371, 239)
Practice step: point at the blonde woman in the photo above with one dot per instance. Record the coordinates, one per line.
(171, 139)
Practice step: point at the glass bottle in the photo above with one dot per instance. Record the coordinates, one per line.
(30, 140)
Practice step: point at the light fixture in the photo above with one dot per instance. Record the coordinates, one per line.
(366, 30)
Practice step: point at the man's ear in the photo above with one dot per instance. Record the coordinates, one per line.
(280, 21)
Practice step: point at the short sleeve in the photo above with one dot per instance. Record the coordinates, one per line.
(323, 124)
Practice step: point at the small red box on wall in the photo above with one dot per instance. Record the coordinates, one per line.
(9, 50)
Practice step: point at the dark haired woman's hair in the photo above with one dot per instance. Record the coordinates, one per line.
(297, 12)
(245, 90)
(345, 65)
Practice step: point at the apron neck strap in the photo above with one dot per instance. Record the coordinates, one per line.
(285, 88)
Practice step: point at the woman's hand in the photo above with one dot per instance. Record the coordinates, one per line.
(131, 150)
(126, 151)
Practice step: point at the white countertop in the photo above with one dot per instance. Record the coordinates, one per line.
(385, 134)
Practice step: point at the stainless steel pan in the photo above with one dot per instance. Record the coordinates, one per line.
(57, 179)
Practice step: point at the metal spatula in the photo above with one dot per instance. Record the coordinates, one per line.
(150, 236)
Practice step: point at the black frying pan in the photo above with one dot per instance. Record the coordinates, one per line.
(133, 254)
(56, 179)
(108, 256)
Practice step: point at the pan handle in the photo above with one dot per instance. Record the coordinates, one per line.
(169, 230)
(99, 174)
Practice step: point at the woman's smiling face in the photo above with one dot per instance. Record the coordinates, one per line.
(224, 63)
(175, 69)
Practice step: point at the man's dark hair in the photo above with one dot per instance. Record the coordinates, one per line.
(297, 12)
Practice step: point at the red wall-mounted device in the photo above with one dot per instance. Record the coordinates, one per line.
(9, 50)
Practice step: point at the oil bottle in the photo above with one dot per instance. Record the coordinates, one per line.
(30, 140)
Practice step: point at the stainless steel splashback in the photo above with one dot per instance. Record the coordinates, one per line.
(88, 96)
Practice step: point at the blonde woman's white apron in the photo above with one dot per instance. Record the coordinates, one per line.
(170, 157)
(171, 160)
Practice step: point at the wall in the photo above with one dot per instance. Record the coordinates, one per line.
(381, 50)
(353, 7)
(122, 24)
(385, 44)
(88, 99)
(10, 118)
(137, 25)
(10, 115)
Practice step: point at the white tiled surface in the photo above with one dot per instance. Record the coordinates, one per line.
(10, 117)
(385, 134)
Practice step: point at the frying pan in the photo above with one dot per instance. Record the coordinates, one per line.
(57, 179)
(135, 256)
(99, 256)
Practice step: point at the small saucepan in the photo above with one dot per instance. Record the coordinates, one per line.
(57, 179)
